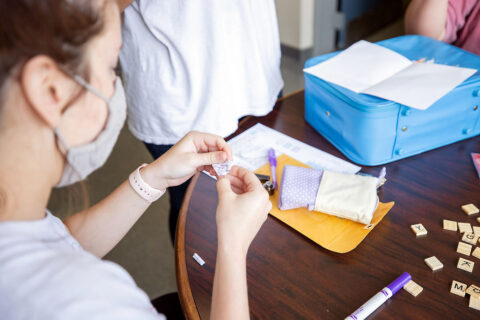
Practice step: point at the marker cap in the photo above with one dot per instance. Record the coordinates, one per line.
(399, 282)
(271, 157)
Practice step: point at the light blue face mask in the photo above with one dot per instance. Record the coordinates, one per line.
(83, 160)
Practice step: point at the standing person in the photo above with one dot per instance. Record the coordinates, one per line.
(61, 109)
(197, 65)
(451, 21)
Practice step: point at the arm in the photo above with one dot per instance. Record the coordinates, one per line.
(230, 296)
(243, 208)
(101, 227)
(122, 4)
(427, 17)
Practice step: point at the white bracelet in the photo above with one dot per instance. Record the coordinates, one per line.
(143, 189)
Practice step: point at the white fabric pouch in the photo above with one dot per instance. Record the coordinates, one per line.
(352, 197)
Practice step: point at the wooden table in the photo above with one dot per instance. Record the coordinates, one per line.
(291, 277)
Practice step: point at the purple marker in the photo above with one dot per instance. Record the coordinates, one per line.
(273, 166)
(377, 300)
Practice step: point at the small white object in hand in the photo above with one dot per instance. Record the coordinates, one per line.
(222, 169)
(198, 259)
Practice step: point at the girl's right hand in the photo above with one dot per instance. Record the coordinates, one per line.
(243, 207)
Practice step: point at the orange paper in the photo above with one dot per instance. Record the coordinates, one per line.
(332, 233)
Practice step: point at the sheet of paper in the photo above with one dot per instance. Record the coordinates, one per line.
(425, 83)
(250, 150)
(372, 69)
(360, 66)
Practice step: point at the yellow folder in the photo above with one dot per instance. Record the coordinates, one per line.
(332, 233)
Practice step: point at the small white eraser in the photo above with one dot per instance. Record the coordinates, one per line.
(222, 169)
(198, 259)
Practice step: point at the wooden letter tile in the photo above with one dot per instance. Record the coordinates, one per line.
(464, 248)
(470, 238)
(464, 227)
(418, 229)
(434, 263)
(458, 288)
(450, 225)
(465, 264)
(476, 253)
(473, 290)
(413, 288)
(476, 231)
(474, 303)
(470, 209)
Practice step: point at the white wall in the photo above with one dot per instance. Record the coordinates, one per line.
(296, 22)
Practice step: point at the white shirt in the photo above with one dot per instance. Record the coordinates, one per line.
(198, 65)
(45, 274)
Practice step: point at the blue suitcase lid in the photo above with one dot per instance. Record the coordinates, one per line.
(414, 47)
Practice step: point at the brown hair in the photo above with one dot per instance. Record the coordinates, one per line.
(59, 29)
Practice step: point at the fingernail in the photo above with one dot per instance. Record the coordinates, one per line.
(223, 157)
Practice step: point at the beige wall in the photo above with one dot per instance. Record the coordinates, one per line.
(295, 21)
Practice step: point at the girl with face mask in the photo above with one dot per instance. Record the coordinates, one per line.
(61, 110)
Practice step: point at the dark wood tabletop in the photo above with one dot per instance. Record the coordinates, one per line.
(291, 277)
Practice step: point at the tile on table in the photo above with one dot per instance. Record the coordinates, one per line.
(413, 288)
(458, 288)
(434, 263)
(418, 229)
(465, 264)
(464, 248)
(450, 225)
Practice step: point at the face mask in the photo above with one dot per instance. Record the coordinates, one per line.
(84, 159)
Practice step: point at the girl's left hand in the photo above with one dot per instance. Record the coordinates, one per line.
(194, 153)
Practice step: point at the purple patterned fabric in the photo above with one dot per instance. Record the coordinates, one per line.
(299, 187)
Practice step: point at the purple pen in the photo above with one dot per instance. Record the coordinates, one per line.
(273, 166)
(377, 300)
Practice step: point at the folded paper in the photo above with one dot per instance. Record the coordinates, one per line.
(223, 168)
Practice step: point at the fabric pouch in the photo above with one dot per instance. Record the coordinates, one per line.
(299, 187)
(348, 196)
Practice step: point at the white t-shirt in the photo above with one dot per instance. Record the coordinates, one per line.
(198, 65)
(45, 274)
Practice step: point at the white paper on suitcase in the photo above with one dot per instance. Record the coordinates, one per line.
(372, 69)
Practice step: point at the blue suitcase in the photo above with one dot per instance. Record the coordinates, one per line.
(372, 131)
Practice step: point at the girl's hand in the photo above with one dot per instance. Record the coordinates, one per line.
(243, 207)
(194, 153)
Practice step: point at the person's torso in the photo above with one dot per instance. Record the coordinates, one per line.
(468, 37)
(199, 64)
(46, 274)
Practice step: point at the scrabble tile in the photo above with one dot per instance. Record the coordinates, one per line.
(476, 231)
(474, 303)
(476, 253)
(464, 248)
(465, 264)
(470, 238)
(413, 288)
(458, 288)
(473, 290)
(418, 229)
(450, 225)
(434, 263)
(470, 209)
(464, 227)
